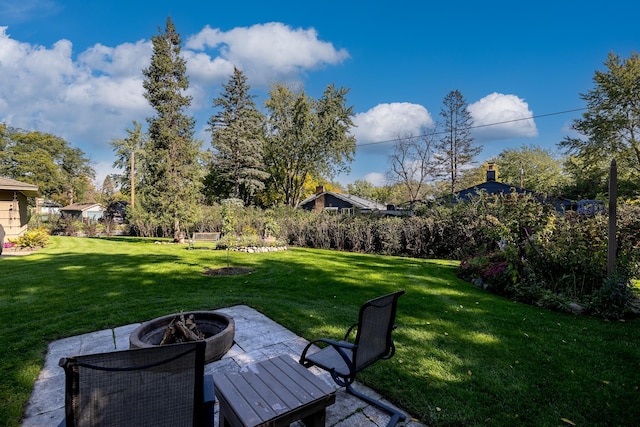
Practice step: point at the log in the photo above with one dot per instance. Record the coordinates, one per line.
(186, 333)
(169, 334)
(181, 330)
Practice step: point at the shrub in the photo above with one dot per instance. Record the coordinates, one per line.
(33, 238)
(512, 245)
(556, 260)
(614, 299)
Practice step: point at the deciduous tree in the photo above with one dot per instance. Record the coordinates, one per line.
(362, 188)
(533, 168)
(62, 173)
(412, 164)
(611, 125)
(305, 138)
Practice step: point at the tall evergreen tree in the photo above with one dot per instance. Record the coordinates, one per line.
(455, 149)
(237, 136)
(172, 175)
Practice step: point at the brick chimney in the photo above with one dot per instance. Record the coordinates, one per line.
(491, 173)
(319, 204)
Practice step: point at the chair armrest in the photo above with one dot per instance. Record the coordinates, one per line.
(333, 343)
(346, 336)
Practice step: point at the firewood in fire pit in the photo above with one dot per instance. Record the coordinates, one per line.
(182, 330)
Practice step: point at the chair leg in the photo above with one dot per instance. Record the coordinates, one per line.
(396, 416)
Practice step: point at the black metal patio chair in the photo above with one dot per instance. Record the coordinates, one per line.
(373, 342)
(155, 386)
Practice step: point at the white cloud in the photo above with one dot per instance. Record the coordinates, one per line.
(498, 116)
(90, 98)
(387, 122)
(376, 178)
(125, 60)
(84, 101)
(202, 68)
(266, 52)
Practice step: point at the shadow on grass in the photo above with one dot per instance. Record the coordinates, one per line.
(464, 357)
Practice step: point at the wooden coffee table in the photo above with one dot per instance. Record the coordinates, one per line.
(275, 392)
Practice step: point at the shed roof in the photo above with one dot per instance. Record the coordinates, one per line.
(28, 190)
(80, 207)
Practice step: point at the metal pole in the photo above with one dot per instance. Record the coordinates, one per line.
(613, 196)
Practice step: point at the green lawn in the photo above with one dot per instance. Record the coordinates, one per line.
(464, 357)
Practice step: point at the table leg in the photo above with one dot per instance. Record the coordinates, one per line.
(316, 420)
(222, 421)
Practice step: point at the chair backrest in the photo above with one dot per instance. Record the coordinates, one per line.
(375, 324)
(155, 386)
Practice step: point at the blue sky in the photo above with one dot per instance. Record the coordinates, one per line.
(73, 68)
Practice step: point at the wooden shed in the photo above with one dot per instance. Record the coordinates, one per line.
(14, 207)
(83, 211)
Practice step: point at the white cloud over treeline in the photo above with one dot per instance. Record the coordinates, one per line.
(265, 52)
(496, 116)
(388, 122)
(91, 97)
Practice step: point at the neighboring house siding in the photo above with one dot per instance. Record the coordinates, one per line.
(13, 213)
(14, 208)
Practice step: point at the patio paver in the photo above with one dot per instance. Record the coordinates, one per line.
(257, 338)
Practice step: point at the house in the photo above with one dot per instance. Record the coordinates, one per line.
(490, 187)
(47, 208)
(83, 211)
(343, 203)
(14, 209)
(116, 212)
(493, 187)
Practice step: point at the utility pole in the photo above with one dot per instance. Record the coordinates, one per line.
(133, 179)
(612, 244)
(521, 176)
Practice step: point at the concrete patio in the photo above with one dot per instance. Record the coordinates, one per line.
(256, 338)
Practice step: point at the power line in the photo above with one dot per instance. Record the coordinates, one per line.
(478, 126)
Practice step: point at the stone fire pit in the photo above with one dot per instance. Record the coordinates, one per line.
(218, 329)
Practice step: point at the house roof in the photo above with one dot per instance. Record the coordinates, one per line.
(356, 202)
(491, 187)
(28, 190)
(80, 207)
